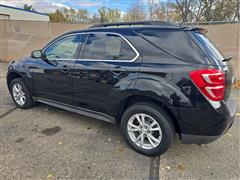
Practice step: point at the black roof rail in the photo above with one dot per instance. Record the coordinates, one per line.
(132, 24)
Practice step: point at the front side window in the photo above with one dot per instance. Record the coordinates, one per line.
(107, 47)
(64, 48)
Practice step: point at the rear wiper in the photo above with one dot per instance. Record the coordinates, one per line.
(227, 59)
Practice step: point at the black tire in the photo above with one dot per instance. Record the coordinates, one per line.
(28, 101)
(164, 121)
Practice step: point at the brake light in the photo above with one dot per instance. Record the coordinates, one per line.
(211, 82)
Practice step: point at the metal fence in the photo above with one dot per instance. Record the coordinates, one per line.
(19, 38)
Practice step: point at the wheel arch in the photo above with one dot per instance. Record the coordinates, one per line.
(127, 102)
(11, 76)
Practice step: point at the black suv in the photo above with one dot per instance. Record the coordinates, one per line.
(154, 78)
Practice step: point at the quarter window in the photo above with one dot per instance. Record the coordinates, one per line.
(107, 47)
(64, 48)
(176, 43)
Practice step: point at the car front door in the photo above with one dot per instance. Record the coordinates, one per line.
(107, 60)
(52, 78)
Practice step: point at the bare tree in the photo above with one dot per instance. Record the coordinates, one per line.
(103, 14)
(114, 15)
(151, 6)
(164, 10)
(207, 10)
(82, 15)
(237, 12)
(135, 12)
(109, 15)
(184, 8)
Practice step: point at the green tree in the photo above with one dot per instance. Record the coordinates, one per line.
(28, 7)
(57, 17)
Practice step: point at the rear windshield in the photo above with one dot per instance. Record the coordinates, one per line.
(210, 49)
(175, 42)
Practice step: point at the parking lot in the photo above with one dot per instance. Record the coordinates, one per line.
(48, 143)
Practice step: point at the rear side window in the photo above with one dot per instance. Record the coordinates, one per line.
(176, 43)
(107, 47)
(209, 48)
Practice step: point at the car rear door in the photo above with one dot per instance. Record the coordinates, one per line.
(52, 78)
(107, 63)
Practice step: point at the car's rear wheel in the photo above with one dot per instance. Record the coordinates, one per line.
(147, 128)
(20, 94)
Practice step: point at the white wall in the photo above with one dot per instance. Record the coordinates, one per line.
(16, 14)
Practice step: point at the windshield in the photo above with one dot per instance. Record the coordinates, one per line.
(210, 48)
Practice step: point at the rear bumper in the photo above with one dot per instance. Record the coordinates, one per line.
(210, 126)
(199, 139)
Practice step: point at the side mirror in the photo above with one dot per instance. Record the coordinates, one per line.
(37, 54)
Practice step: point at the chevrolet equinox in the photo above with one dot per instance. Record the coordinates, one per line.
(153, 78)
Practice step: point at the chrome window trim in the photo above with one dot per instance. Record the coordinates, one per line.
(102, 60)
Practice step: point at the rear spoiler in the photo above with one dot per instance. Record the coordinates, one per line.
(200, 30)
(197, 29)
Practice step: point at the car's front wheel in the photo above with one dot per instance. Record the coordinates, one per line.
(147, 128)
(20, 94)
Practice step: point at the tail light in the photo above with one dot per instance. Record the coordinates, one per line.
(211, 82)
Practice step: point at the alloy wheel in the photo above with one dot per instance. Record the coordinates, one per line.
(18, 94)
(144, 131)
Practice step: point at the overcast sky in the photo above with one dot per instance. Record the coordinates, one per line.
(46, 6)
